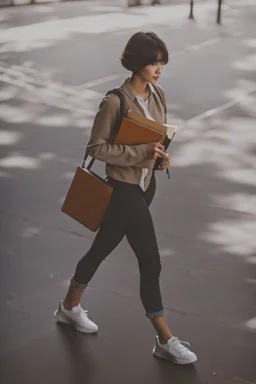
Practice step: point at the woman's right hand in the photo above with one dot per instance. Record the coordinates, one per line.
(156, 150)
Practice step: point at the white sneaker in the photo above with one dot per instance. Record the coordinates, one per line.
(76, 317)
(174, 351)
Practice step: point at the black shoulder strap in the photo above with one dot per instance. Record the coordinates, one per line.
(118, 122)
(116, 127)
(161, 98)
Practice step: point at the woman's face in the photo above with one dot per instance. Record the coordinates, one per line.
(152, 72)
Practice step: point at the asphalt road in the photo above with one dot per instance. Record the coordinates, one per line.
(57, 61)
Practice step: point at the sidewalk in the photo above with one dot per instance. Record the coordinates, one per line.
(57, 62)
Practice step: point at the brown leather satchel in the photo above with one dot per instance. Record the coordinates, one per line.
(88, 198)
(89, 194)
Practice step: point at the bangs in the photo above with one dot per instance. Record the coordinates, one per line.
(162, 57)
(157, 57)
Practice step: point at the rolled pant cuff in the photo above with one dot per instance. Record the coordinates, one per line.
(77, 285)
(153, 315)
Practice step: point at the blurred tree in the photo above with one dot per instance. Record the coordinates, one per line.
(155, 2)
(191, 15)
(219, 11)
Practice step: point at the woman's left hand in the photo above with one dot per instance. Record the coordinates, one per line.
(164, 164)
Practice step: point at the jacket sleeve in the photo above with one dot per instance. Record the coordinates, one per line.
(148, 164)
(99, 146)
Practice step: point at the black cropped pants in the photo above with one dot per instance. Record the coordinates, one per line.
(128, 215)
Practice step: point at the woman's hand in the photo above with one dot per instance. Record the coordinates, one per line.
(164, 164)
(156, 151)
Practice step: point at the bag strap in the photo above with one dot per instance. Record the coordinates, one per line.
(116, 127)
(161, 98)
(118, 121)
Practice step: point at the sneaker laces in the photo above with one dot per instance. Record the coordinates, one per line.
(178, 345)
(83, 314)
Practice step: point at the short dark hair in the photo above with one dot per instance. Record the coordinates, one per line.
(143, 49)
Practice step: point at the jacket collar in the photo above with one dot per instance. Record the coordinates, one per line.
(126, 87)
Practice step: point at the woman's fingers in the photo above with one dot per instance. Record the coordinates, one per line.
(164, 165)
(166, 162)
(160, 153)
(159, 145)
(157, 155)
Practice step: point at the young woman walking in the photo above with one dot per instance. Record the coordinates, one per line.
(130, 170)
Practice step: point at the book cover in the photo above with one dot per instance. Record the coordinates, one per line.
(133, 133)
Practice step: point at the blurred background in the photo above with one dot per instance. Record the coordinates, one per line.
(57, 60)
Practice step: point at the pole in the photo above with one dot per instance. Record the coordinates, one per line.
(191, 15)
(219, 12)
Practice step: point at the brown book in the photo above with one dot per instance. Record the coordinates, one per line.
(136, 129)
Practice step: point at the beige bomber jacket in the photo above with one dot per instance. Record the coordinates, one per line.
(123, 162)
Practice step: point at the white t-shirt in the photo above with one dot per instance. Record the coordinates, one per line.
(144, 105)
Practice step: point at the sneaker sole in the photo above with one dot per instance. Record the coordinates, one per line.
(162, 355)
(62, 319)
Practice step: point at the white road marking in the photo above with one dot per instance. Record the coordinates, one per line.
(103, 80)
(221, 108)
(204, 44)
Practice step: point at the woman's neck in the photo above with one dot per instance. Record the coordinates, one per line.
(139, 86)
